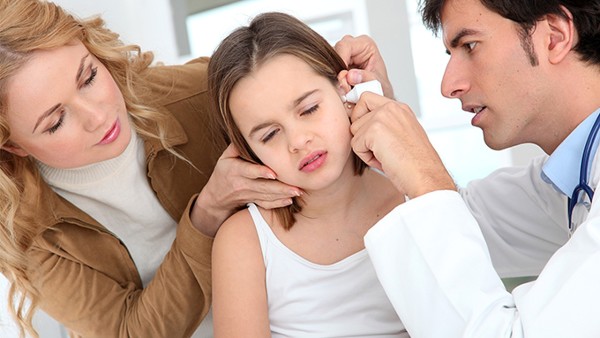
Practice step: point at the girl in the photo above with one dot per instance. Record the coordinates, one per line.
(300, 270)
(108, 204)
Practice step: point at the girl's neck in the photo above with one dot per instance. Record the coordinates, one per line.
(336, 200)
(333, 222)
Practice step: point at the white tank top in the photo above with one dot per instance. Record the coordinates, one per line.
(305, 299)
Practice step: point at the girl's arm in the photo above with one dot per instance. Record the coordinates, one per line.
(239, 293)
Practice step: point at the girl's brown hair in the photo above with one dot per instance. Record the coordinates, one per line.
(244, 51)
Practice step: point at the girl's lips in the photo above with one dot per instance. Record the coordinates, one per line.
(112, 134)
(313, 161)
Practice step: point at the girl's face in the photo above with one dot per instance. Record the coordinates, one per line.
(65, 109)
(294, 121)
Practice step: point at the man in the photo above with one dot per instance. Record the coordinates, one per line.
(529, 71)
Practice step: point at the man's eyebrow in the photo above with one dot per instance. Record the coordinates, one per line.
(45, 115)
(461, 34)
(294, 104)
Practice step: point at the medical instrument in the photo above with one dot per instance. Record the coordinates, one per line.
(583, 173)
(370, 86)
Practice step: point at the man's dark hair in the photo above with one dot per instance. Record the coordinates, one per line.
(526, 13)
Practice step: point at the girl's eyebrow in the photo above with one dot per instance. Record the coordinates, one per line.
(259, 127)
(303, 96)
(51, 110)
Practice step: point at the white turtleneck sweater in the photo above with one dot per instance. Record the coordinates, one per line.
(117, 194)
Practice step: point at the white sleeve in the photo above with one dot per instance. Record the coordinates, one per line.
(433, 263)
(523, 218)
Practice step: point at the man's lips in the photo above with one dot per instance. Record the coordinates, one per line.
(477, 110)
(471, 108)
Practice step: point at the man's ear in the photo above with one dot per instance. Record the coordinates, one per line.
(14, 149)
(563, 35)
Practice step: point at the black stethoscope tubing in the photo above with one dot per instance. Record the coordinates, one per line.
(583, 173)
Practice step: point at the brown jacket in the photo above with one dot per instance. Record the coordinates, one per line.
(86, 276)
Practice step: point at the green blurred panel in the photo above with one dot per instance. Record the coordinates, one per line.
(511, 283)
(195, 6)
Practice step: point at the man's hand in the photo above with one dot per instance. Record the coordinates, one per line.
(388, 136)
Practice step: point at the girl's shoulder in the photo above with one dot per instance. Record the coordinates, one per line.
(237, 225)
(237, 245)
(239, 229)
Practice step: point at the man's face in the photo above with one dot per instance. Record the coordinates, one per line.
(494, 71)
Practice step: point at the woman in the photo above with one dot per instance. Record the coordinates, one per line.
(109, 198)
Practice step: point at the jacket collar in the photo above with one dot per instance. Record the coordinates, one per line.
(174, 136)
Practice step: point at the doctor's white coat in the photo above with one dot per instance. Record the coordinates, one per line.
(433, 262)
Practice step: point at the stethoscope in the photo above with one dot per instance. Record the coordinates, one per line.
(583, 173)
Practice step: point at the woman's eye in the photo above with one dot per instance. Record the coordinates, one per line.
(91, 78)
(57, 125)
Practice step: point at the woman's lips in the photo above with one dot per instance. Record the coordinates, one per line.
(112, 134)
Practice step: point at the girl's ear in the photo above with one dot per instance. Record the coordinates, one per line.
(14, 149)
(343, 86)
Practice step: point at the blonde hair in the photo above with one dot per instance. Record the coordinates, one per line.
(25, 27)
(243, 51)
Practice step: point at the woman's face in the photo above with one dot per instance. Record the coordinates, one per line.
(65, 109)
(295, 122)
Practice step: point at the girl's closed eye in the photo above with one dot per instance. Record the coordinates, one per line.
(274, 132)
(269, 135)
(310, 110)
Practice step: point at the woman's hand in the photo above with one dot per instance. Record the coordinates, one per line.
(234, 183)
